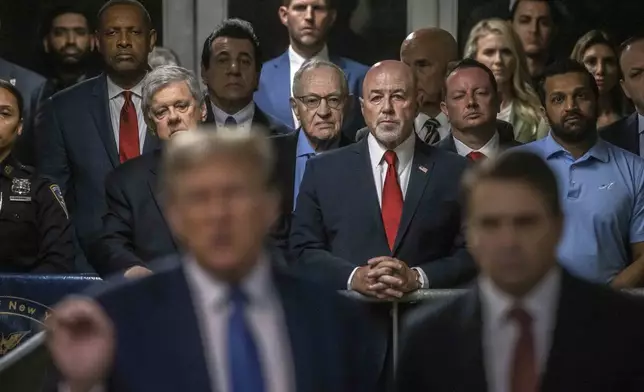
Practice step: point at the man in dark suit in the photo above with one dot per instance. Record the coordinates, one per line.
(88, 130)
(230, 68)
(135, 231)
(320, 103)
(31, 87)
(239, 323)
(471, 103)
(308, 23)
(528, 324)
(628, 132)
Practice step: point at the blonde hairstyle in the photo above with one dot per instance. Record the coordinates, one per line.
(189, 150)
(526, 101)
(599, 37)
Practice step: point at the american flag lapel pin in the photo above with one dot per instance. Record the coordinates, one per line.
(423, 169)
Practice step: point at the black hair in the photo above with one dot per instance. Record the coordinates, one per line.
(134, 3)
(519, 166)
(561, 67)
(232, 28)
(48, 20)
(14, 91)
(556, 10)
(329, 3)
(468, 62)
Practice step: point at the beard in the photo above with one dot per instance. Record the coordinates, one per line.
(574, 134)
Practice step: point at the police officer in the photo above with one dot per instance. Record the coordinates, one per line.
(35, 231)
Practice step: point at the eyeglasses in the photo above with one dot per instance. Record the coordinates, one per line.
(313, 101)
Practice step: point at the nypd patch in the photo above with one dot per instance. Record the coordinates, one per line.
(58, 194)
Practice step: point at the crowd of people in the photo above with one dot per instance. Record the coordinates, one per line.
(238, 213)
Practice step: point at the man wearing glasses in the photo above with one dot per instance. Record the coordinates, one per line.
(320, 96)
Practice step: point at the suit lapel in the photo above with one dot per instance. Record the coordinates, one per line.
(448, 144)
(420, 172)
(156, 195)
(366, 185)
(100, 111)
(289, 168)
(151, 142)
(280, 89)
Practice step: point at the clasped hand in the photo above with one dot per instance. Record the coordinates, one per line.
(385, 278)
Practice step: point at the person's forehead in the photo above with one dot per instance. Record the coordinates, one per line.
(471, 76)
(178, 90)
(123, 13)
(7, 98)
(230, 44)
(69, 19)
(533, 8)
(518, 198)
(308, 2)
(321, 76)
(392, 76)
(634, 52)
(568, 81)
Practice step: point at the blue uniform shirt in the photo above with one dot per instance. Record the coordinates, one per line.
(603, 201)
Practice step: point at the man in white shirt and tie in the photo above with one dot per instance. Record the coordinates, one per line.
(471, 103)
(86, 131)
(223, 316)
(428, 52)
(528, 325)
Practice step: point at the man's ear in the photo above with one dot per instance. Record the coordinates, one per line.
(544, 114)
(294, 109)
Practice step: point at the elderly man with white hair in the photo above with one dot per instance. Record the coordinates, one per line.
(134, 229)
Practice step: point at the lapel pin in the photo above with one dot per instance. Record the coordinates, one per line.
(423, 169)
(12, 81)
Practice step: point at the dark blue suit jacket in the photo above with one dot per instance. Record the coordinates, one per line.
(135, 231)
(160, 349)
(337, 224)
(31, 87)
(623, 133)
(597, 344)
(273, 93)
(76, 149)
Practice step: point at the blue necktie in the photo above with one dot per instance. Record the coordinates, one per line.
(230, 122)
(245, 366)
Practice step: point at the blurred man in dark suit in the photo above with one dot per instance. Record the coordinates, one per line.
(428, 52)
(319, 101)
(230, 68)
(308, 23)
(244, 324)
(68, 44)
(528, 325)
(471, 104)
(32, 88)
(628, 133)
(88, 130)
(134, 229)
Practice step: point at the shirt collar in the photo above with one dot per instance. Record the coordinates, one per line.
(296, 60)
(490, 148)
(213, 292)
(599, 151)
(113, 90)
(422, 118)
(541, 302)
(304, 147)
(242, 116)
(640, 122)
(404, 151)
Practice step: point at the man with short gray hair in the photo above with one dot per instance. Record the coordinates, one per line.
(320, 101)
(134, 230)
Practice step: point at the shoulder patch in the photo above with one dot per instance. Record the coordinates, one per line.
(58, 194)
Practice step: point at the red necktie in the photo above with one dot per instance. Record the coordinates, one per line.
(524, 376)
(128, 130)
(476, 156)
(392, 200)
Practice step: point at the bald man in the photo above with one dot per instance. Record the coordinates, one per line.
(428, 52)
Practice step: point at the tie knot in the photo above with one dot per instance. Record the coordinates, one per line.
(230, 121)
(432, 123)
(521, 316)
(476, 156)
(390, 157)
(127, 95)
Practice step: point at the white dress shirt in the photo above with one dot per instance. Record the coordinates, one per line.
(505, 113)
(500, 334)
(244, 117)
(490, 149)
(295, 63)
(117, 100)
(421, 131)
(405, 155)
(264, 314)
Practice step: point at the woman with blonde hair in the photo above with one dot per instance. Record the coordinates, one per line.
(596, 52)
(494, 43)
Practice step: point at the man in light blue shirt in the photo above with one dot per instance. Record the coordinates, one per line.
(602, 185)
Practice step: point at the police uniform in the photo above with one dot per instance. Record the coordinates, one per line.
(35, 232)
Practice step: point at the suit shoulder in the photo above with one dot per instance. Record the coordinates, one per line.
(27, 74)
(615, 127)
(77, 91)
(449, 159)
(535, 147)
(354, 65)
(136, 167)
